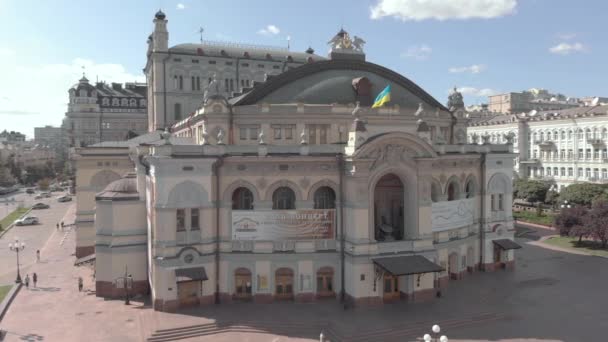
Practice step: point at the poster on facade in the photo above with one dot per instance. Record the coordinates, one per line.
(453, 214)
(273, 225)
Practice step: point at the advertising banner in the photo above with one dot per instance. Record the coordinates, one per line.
(453, 214)
(273, 225)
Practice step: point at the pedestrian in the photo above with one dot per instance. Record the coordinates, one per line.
(27, 281)
(79, 284)
(35, 278)
(57, 226)
(61, 225)
(38, 255)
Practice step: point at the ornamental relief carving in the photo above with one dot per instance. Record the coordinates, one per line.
(262, 183)
(391, 154)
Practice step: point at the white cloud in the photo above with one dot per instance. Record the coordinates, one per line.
(418, 52)
(566, 36)
(473, 69)
(567, 48)
(181, 6)
(269, 30)
(442, 9)
(37, 95)
(479, 92)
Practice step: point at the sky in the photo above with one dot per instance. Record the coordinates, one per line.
(483, 47)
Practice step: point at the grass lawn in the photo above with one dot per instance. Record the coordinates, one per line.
(588, 246)
(529, 216)
(12, 217)
(4, 291)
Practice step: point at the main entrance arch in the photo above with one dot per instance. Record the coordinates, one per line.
(388, 208)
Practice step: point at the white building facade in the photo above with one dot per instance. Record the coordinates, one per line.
(298, 190)
(566, 146)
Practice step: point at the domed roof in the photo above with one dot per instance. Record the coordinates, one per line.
(331, 81)
(160, 15)
(121, 189)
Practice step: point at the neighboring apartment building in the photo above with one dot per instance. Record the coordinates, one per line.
(533, 99)
(181, 73)
(12, 137)
(296, 190)
(48, 135)
(565, 146)
(105, 112)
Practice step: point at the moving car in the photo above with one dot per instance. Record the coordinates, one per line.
(26, 221)
(65, 198)
(39, 197)
(30, 191)
(40, 206)
(46, 194)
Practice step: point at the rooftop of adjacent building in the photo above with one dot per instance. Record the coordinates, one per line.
(582, 111)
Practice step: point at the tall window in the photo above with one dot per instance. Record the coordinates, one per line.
(452, 191)
(500, 202)
(325, 198)
(493, 202)
(470, 189)
(193, 82)
(242, 199)
(283, 198)
(181, 82)
(180, 220)
(198, 83)
(194, 219)
(177, 110)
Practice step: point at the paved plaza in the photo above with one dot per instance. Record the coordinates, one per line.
(551, 296)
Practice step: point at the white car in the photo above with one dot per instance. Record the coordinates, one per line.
(27, 221)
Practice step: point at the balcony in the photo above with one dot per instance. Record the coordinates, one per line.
(529, 161)
(545, 144)
(596, 143)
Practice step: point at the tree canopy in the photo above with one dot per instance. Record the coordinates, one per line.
(531, 190)
(582, 193)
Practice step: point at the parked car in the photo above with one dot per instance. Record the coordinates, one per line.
(30, 191)
(65, 198)
(40, 206)
(26, 221)
(46, 194)
(38, 197)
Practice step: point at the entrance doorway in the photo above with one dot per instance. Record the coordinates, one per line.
(388, 208)
(391, 288)
(284, 284)
(189, 293)
(325, 282)
(242, 281)
(453, 266)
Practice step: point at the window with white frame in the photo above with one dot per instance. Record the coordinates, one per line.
(187, 219)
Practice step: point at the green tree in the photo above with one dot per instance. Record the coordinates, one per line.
(582, 193)
(597, 220)
(6, 178)
(43, 184)
(572, 222)
(531, 190)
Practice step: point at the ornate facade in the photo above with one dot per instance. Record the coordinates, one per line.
(298, 190)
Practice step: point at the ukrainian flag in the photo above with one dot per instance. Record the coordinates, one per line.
(383, 97)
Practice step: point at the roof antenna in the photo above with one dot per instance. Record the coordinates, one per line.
(200, 31)
(288, 41)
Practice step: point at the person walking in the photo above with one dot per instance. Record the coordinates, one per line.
(27, 281)
(38, 255)
(61, 225)
(35, 278)
(57, 226)
(80, 284)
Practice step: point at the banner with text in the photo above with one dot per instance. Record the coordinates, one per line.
(272, 225)
(453, 214)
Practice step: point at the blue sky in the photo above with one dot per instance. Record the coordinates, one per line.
(481, 46)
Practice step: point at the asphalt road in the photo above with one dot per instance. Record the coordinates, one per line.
(35, 236)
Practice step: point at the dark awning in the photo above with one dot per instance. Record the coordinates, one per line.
(407, 264)
(193, 273)
(506, 244)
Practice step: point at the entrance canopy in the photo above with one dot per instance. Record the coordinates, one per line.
(407, 264)
(192, 273)
(506, 244)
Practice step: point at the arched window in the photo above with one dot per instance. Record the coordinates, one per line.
(435, 192)
(242, 199)
(588, 134)
(177, 110)
(604, 133)
(82, 93)
(580, 134)
(470, 189)
(563, 135)
(325, 198)
(283, 198)
(181, 82)
(555, 136)
(105, 101)
(452, 191)
(542, 136)
(124, 102)
(115, 102)
(133, 102)
(142, 103)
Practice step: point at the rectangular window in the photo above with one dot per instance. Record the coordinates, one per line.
(562, 172)
(253, 133)
(245, 65)
(276, 67)
(534, 154)
(605, 154)
(492, 202)
(570, 154)
(548, 171)
(228, 63)
(195, 61)
(596, 154)
(604, 173)
(194, 221)
(243, 133)
(580, 153)
(180, 220)
(289, 133)
(193, 83)
(211, 62)
(312, 134)
(500, 200)
(323, 135)
(562, 154)
(588, 172)
(261, 66)
(570, 172)
(226, 85)
(177, 59)
(529, 171)
(596, 173)
(588, 153)
(277, 133)
(580, 172)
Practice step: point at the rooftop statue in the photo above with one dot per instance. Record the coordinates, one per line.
(455, 100)
(213, 90)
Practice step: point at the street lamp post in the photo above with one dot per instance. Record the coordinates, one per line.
(435, 337)
(17, 247)
(126, 282)
(565, 205)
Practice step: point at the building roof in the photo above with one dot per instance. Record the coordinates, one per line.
(231, 50)
(151, 138)
(407, 264)
(506, 244)
(497, 119)
(330, 81)
(121, 189)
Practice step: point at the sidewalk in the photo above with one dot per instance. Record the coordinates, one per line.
(56, 311)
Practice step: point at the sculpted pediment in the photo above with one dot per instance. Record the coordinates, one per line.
(394, 148)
